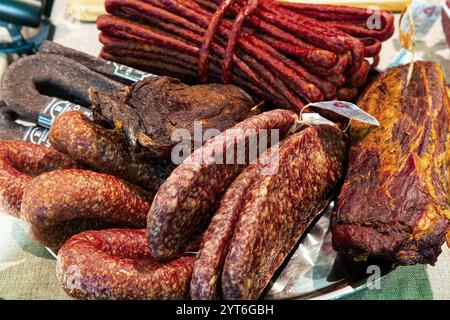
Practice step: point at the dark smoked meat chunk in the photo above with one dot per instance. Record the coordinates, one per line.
(151, 110)
(395, 202)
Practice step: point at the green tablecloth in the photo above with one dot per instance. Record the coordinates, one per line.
(403, 284)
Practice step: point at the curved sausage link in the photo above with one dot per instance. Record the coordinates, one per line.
(59, 204)
(22, 82)
(103, 150)
(205, 283)
(117, 264)
(357, 79)
(279, 208)
(19, 163)
(183, 205)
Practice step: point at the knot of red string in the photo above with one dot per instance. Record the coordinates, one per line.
(233, 35)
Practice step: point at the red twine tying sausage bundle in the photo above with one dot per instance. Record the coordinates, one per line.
(286, 53)
(231, 44)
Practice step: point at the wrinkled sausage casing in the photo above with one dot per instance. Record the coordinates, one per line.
(183, 206)
(26, 78)
(62, 203)
(395, 202)
(117, 264)
(103, 150)
(19, 163)
(278, 208)
(205, 283)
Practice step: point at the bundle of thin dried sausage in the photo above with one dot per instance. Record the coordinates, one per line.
(289, 55)
(151, 112)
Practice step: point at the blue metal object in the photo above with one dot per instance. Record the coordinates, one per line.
(17, 14)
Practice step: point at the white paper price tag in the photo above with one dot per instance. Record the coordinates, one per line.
(425, 14)
(316, 119)
(405, 57)
(348, 110)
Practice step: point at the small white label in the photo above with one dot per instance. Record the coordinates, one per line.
(316, 119)
(348, 110)
(37, 135)
(404, 57)
(129, 73)
(425, 14)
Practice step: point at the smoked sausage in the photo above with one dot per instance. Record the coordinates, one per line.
(103, 150)
(60, 204)
(117, 264)
(183, 206)
(19, 163)
(278, 208)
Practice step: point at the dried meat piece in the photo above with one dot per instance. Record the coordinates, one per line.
(395, 202)
(151, 110)
(11, 130)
